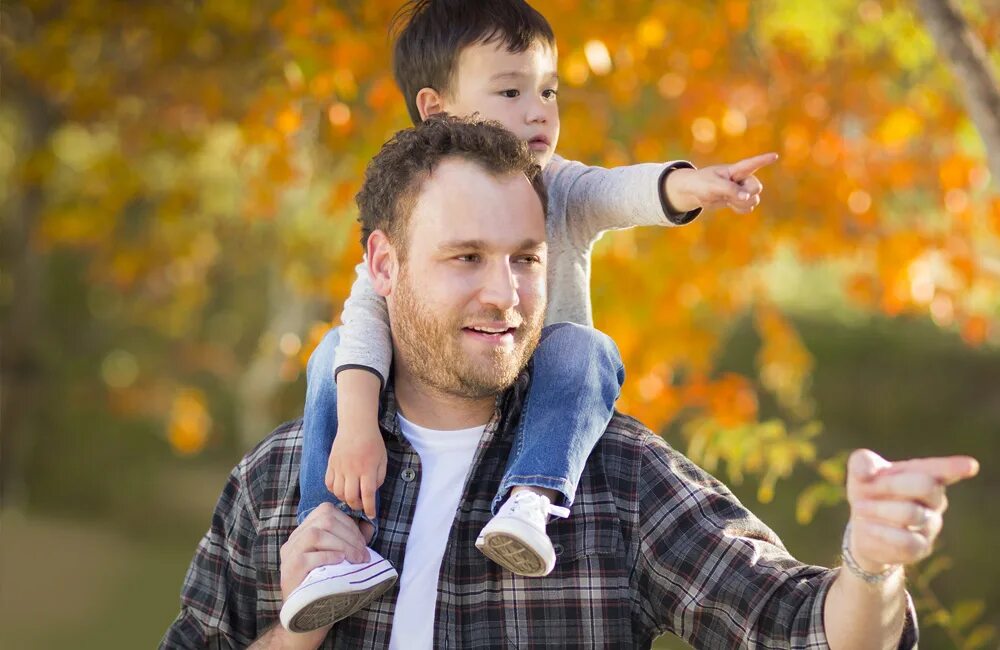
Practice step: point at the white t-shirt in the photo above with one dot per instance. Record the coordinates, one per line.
(445, 460)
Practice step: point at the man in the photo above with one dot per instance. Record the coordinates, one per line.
(455, 237)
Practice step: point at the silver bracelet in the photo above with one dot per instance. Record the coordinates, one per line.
(855, 568)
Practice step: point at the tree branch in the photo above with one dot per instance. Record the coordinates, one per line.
(969, 63)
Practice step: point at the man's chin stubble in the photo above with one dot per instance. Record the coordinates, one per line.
(435, 356)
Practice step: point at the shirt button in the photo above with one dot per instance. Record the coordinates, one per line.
(558, 548)
(408, 474)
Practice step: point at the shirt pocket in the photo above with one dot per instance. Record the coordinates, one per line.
(586, 535)
(584, 602)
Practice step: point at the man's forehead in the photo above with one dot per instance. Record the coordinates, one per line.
(460, 200)
(459, 245)
(458, 177)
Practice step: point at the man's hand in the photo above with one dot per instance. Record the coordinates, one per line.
(896, 508)
(718, 186)
(327, 536)
(357, 464)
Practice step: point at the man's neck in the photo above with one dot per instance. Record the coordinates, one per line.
(433, 409)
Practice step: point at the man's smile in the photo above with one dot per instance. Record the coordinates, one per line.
(494, 333)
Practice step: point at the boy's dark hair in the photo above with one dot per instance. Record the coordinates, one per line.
(434, 32)
(394, 176)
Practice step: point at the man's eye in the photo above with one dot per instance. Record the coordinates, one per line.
(471, 257)
(529, 259)
(551, 93)
(510, 92)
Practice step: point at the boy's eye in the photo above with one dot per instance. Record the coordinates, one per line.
(510, 92)
(550, 93)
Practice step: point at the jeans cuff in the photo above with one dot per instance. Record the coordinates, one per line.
(357, 515)
(565, 489)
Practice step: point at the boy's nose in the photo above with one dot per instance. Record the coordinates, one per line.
(538, 113)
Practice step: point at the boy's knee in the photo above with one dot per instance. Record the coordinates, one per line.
(577, 338)
(322, 356)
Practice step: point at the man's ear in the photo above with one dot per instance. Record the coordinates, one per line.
(429, 102)
(382, 263)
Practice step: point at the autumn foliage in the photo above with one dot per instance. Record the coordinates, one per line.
(179, 228)
(200, 157)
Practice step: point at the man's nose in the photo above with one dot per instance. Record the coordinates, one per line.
(500, 287)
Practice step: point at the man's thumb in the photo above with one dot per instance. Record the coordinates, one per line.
(864, 464)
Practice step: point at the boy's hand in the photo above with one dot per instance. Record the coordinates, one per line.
(718, 186)
(356, 468)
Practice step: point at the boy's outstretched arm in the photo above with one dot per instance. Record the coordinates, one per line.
(588, 200)
(718, 186)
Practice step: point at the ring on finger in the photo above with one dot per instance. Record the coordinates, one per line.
(925, 518)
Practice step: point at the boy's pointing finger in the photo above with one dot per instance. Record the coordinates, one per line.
(739, 171)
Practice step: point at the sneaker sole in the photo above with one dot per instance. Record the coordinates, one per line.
(329, 610)
(511, 553)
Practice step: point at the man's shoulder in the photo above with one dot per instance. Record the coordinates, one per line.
(269, 472)
(625, 434)
(625, 447)
(276, 448)
(629, 448)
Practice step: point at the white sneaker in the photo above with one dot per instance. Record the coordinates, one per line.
(335, 591)
(515, 538)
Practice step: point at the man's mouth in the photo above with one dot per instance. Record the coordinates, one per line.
(500, 333)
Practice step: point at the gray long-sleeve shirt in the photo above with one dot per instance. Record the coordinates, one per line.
(584, 201)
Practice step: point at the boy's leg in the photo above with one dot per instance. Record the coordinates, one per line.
(577, 375)
(328, 593)
(576, 378)
(319, 426)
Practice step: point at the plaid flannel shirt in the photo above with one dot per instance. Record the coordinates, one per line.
(655, 545)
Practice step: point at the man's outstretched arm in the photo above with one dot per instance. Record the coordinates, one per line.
(896, 514)
(711, 572)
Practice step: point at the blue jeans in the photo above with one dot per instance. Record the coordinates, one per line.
(576, 378)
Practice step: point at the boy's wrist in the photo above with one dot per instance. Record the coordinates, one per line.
(350, 367)
(678, 201)
(678, 206)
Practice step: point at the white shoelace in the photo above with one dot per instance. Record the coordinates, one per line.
(557, 511)
(546, 506)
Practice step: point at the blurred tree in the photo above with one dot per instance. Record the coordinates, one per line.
(178, 226)
(180, 150)
(970, 64)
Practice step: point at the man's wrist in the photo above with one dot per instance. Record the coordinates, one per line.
(871, 572)
(278, 638)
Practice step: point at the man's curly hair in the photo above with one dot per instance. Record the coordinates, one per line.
(395, 175)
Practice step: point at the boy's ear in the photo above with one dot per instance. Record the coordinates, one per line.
(382, 263)
(429, 102)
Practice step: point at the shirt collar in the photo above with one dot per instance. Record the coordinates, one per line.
(504, 420)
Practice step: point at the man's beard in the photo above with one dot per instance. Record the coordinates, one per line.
(431, 347)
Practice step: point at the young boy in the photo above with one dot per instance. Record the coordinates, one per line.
(497, 60)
